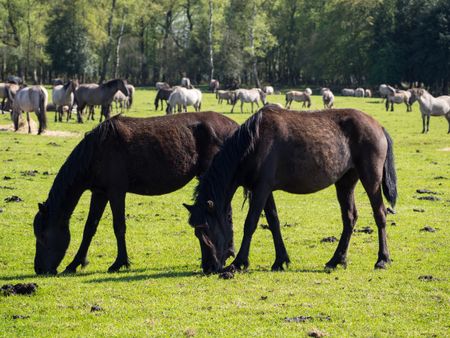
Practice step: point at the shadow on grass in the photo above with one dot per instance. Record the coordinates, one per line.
(130, 276)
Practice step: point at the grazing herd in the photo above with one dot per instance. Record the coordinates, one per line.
(70, 95)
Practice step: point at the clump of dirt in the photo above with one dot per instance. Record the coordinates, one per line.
(428, 228)
(264, 226)
(330, 239)
(426, 191)
(29, 172)
(440, 178)
(54, 144)
(19, 289)
(418, 210)
(226, 275)
(298, 319)
(427, 278)
(393, 224)
(366, 230)
(6, 178)
(391, 211)
(316, 333)
(13, 198)
(429, 198)
(19, 317)
(190, 333)
(96, 308)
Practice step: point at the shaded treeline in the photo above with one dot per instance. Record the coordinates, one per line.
(283, 42)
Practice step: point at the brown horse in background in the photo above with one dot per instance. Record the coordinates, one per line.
(98, 95)
(301, 153)
(150, 156)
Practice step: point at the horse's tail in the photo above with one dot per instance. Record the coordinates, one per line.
(156, 99)
(130, 98)
(389, 174)
(43, 99)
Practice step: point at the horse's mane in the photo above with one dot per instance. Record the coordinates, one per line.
(78, 164)
(217, 178)
(66, 85)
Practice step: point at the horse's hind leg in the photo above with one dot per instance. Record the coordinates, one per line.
(428, 123)
(371, 180)
(98, 204)
(28, 121)
(257, 203)
(345, 193)
(281, 256)
(117, 202)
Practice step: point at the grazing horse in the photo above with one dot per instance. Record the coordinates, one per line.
(186, 83)
(348, 92)
(183, 97)
(327, 98)
(7, 91)
(430, 106)
(397, 97)
(98, 95)
(163, 94)
(30, 99)
(214, 85)
(268, 90)
(121, 101)
(359, 92)
(145, 156)
(301, 153)
(225, 95)
(249, 96)
(63, 95)
(298, 97)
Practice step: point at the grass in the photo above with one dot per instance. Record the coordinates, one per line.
(165, 294)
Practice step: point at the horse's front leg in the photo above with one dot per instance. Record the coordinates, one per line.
(98, 204)
(423, 123)
(428, 123)
(281, 256)
(232, 108)
(28, 121)
(242, 107)
(257, 203)
(117, 203)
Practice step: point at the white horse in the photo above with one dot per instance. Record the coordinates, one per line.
(397, 97)
(328, 98)
(184, 97)
(298, 97)
(368, 93)
(63, 95)
(384, 90)
(30, 99)
(308, 91)
(430, 106)
(7, 90)
(186, 83)
(249, 96)
(121, 101)
(348, 92)
(359, 92)
(268, 90)
(131, 91)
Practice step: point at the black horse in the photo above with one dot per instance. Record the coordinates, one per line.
(301, 153)
(151, 156)
(161, 96)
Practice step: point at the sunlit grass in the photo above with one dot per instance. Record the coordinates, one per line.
(165, 294)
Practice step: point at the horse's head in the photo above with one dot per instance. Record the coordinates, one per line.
(214, 230)
(262, 95)
(52, 241)
(415, 94)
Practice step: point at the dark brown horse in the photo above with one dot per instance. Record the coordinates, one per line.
(151, 156)
(163, 94)
(301, 153)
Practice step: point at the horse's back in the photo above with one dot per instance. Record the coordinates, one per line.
(28, 99)
(312, 150)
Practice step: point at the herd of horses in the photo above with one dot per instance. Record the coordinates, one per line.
(299, 152)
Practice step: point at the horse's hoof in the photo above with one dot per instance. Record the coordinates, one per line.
(333, 264)
(382, 264)
(117, 266)
(69, 271)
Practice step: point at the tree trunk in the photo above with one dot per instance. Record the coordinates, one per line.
(108, 46)
(119, 41)
(252, 51)
(210, 41)
(143, 60)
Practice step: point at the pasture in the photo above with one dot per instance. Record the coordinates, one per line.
(164, 293)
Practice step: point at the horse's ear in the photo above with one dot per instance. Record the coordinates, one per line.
(188, 207)
(42, 207)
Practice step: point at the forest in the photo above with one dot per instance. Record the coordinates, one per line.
(255, 42)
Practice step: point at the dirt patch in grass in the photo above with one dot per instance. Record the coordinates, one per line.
(24, 130)
(445, 149)
(19, 289)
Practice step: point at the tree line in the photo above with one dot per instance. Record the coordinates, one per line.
(281, 42)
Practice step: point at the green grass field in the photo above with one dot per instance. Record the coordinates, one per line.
(164, 293)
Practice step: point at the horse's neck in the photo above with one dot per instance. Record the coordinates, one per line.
(426, 101)
(63, 205)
